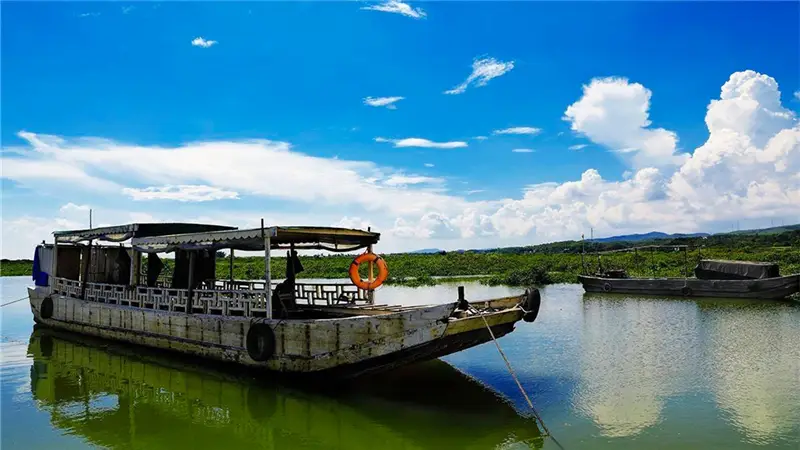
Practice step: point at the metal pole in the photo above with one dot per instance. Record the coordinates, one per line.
(230, 272)
(54, 271)
(583, 263)
(653, 260)
(192, 258)
(685, 262)
(267, 275)
(87, 262)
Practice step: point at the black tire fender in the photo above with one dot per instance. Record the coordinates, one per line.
(531, 304)
(260, 342)
(607, 287)
(686, 291)
(46, 308)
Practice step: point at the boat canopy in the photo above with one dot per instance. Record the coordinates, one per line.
(710, 269)
(301, 238)
(120, 233)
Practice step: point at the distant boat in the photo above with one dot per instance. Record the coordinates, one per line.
(713, 278)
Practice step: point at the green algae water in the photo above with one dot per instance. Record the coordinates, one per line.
(605, 372)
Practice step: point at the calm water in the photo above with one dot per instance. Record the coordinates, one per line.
(605, 372)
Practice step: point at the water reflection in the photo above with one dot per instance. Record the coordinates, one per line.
(754, 356)
(114, 398)
(638, 354)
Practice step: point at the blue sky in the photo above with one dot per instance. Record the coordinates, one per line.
(298, 74)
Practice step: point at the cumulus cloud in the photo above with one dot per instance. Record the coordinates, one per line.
(749, 168)
(397, 7)
(518, 130)
(201, 42)
(483, 70)
(424, 143)
(181, 193)
(388, 102)
(614, 112)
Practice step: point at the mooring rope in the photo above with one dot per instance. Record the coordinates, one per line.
(516, 379)
(15, 301)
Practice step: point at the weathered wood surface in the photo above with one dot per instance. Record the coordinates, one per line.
(309, 345)
(765, 288)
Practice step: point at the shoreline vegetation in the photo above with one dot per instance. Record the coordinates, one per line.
(558, 262)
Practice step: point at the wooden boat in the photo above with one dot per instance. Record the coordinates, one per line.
(723, 279)
(288, 327)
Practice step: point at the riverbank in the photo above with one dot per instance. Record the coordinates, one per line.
(493, 268)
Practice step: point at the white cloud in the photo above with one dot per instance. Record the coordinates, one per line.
(428, 165)
(483, 70)
(797, 95)
(475, 191)
(480, 138)
(181, 193)
(107, 168)
(748, 169)
(523, 150)
(424, 143)
(404, 180)
(127, 9)
(72, 208)
(578, 147)
(89, 14)
(615, 113)
(388, 102)
(397, 7)
(518, 130)
(201, 42)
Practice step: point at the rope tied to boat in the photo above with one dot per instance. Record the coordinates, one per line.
(14, 301)
(514, 375)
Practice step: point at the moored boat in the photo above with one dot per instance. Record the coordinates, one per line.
(113, 292)
(713, 278)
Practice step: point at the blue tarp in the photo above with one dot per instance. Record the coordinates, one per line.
(40, 277)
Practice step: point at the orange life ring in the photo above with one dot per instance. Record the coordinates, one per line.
(383, 271)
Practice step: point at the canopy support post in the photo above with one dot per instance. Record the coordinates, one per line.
(371, 292)
(230, 271)
(88, 261)
(267, 274)
(54, 268)
(192, 257)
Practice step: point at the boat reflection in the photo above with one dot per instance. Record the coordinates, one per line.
(119, 397)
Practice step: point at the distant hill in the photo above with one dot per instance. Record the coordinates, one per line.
(648, 236)
(427, 250)
(771, 230)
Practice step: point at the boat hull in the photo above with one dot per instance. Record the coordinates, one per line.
(765, 288)
(344, 347)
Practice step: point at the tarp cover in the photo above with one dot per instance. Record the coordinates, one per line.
(302, 238)
(710, 269)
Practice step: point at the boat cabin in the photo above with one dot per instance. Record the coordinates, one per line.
(173, 267)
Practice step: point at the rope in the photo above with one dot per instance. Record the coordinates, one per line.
(15, 301)
(516, 379)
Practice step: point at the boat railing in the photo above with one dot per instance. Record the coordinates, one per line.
(247, 299)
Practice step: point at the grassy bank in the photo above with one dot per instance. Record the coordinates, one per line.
(496, 268)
